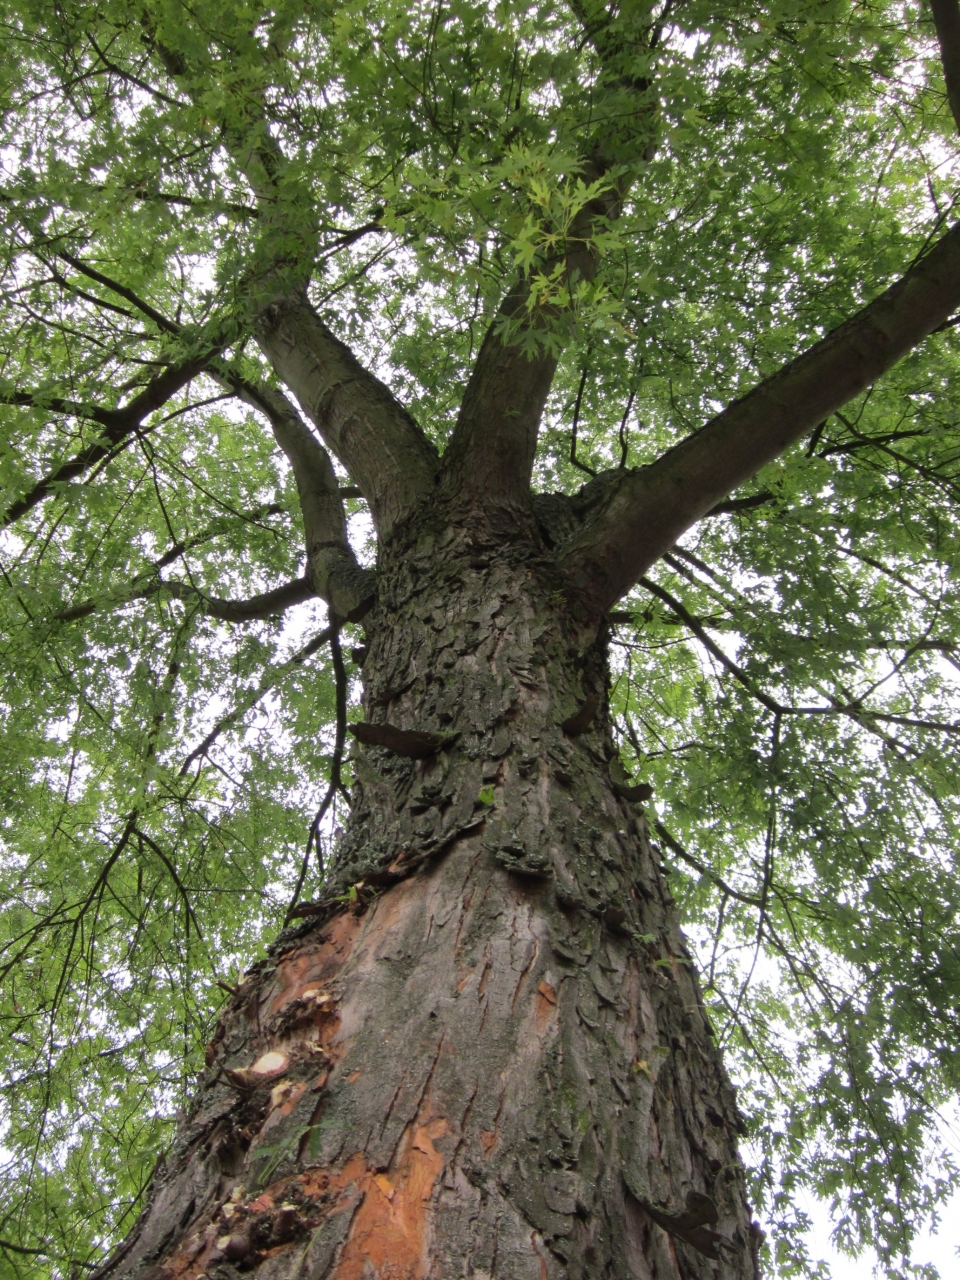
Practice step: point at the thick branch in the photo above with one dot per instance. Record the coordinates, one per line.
(331, 565)
(946, 19)
(490, 456)
(264, 605)
(358, 417)
(651, 507)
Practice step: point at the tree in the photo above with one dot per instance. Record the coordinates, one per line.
(586, 372)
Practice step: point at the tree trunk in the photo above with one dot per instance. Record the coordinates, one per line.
(490, 1058)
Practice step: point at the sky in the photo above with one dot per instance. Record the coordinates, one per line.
(942, 1249)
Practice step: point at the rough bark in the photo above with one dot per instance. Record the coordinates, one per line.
(492, 1057)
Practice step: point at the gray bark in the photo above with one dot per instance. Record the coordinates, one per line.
(494, 1057)
(359, 419)
(331, 564)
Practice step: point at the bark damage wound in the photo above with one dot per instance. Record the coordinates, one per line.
(390, 1232)
(498, 1059)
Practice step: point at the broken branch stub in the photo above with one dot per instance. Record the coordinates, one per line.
(412, 743)
(581, 720)
(642, 791)
(692, 1224)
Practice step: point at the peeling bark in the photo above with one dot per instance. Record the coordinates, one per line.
(489, 1053)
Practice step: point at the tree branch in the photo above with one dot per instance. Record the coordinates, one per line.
(851, 709)
(490, 456)
(336, 766)
(701, 867)
(119, 425)
(251, 699)
(358, 417)
(946, 19)
(489, 459)
(331, 565)
(732, 505)
(161, 321)
(330, 562)
(10, 1247)
(650, 508)
(264, 605)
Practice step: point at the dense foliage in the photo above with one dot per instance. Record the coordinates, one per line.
(787, 679)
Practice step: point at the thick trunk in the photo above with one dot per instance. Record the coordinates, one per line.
(492, 1057)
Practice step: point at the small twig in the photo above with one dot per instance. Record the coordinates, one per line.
(226, 721)
(623, 431)
(143, 838)
(576, 420)
(676, 847)
(336, 763)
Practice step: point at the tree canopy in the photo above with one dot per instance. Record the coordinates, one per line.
(785, 676)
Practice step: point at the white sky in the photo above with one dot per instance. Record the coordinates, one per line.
(942, 1249)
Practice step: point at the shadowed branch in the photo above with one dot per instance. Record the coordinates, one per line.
(264, 605)
(946, 19)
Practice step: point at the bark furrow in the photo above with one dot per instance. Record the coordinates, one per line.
(487, 1056)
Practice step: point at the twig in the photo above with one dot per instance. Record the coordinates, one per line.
(336, 762)
(226, 721)
(143, 838)
(676, 847)
(623, 431)
(576, 419)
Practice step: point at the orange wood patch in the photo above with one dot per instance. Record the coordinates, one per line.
(390, 1235)
(546, 1004)
(314, 964)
